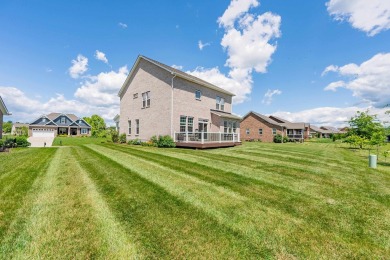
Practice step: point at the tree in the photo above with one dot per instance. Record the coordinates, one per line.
(23, 131)
(365, 129)
(98, 125)
(7, 127)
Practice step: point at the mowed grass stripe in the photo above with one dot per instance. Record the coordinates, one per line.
(256, 221)
(164, 226)
(21, 170)
(65, 218)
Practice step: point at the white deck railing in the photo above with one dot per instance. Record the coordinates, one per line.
(206, 137)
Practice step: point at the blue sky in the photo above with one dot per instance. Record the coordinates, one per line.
(315, 61)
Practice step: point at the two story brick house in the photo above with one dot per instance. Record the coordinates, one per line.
(156, 99)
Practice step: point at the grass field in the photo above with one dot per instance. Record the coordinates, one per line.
(257, 200)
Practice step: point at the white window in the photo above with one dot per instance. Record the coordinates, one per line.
(129, 127)
(137, 126)
(62, 120)
(220, 103)
(274, 131)
(225, 127)
(247, 131)
(186, 124)
(84, 131)
(198, 94)
(146, 99)
(260, 131)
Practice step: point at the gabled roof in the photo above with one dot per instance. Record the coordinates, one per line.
(17, 124)
(53, 116)
(3, 108)
(174, 72)
(278, 119)
(116, 118)
(224, 114)
(42, 116)
(265, 118)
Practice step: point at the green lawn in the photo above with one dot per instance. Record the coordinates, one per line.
(108, 201)
(76, 141)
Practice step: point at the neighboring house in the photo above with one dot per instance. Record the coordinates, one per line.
(3, 112)
(157, 99)
(17, 128)
(116, 120)
(55, 124)
(325, 131)
(294, 131)
(255, 126)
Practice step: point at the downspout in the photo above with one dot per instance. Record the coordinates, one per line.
(172, 134)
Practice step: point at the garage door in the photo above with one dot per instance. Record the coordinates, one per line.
(39, 132)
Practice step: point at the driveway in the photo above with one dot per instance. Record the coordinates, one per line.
(40, 141)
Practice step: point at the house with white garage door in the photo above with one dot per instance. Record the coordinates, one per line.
(55, 124)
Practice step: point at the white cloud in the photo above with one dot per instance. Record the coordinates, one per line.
(79, 67)
(330, 116)
(48, 70)
(122, 25)
(369, 81)
(236, 9)
(102, 89)
(330, 68)
(214, 76)
(101, 56)
(201, 45)
(370, 16)
(178, 67)
(269, 95)
(248, 42)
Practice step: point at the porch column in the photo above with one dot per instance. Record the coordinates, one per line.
(233, 137)
(202, 137)
(220, 137)
(69, 131)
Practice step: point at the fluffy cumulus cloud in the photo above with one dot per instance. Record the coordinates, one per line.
(96, 95)
(370, 16)
(101, 56)
(268, 96)
(249, 41)
(201, 45)
(330, 116)
(178, 67)
(102, 89)
(79, 66)
(369, 81)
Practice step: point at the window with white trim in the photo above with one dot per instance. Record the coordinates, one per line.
(220, 103)
(63, 120)
(146, 99)
(260, 131)
(84, 131)
(274, 131)
(186, 124)
(247, 131)
(137, 126)
(198, 94)
(129, 122)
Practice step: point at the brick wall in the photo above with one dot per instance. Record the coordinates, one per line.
(254, 123)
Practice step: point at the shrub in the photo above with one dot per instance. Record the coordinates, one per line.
(154, 139)
(149, 143)
(285, 139)
(278, 138)
(165, 141)
(122, 138)
(134, 142)
(21, 141)
(10, 143)
(1, 143)
(115, 136)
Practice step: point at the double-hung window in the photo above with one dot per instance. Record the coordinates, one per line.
(198, 94)
(274, 131)
(220, 103)
(146, 99)
(234, 126)
(260, 131)
(247, 131)
(137, 126)
(186, 124)
(84, 131)
(129, 127)
(62, 120)
(225, 127)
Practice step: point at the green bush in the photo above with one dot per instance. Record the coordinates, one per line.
(149, 143)
(21, 141)
(165, 141)
(154, 139)
(122, 138)
(278, 138)
(1, 143)
(285, 139)
(115, 136)
(134, 142)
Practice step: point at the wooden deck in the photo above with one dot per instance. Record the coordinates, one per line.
(199, 145)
